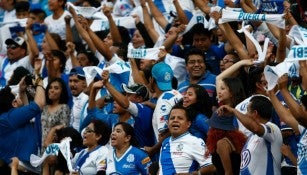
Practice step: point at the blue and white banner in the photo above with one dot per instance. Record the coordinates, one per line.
(147, 54)
(297, 52)
(199, 17)
(230, 15)
(53, 149)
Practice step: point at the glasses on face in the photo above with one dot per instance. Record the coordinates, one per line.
(227, 61)
(12, 46)
(193, 62)
(89, 130)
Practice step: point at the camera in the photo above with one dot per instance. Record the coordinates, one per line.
(29, 79)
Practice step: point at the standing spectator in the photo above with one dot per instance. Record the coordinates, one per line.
(125, 157)
(19, 136)
(261, 153)
(16, 56)
(56, 111)
(160, 83)
(182, 152)
(8, 12)
(56, 21)
(77, 85)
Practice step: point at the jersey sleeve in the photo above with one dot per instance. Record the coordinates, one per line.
(143, 163)
(101, 161)
(199, 149)
(270, 132)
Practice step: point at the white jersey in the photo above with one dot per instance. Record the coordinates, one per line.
(302, 152)
(261, 155)
(163, 107)
(96, 161)
(183, 155)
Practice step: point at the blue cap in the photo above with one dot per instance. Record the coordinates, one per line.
(222, 122)
(163, 74)
(77, 71)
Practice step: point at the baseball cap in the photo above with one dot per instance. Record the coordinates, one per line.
(77, 71)
(221, 122)
(137, 89)
(163, 74)
(19, 41)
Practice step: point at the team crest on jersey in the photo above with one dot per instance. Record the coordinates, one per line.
(179, 147)
(245, 158)
(130, 158)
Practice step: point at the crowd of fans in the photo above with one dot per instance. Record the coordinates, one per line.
(153, 87)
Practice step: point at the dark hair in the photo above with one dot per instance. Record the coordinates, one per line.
(254, 76)
(129, 130)
(262, 105)
(236, 89)
(125, 35)
(76, 139)
(22, 6)
(40, 13)
(180, 106)
(304, 100)
(64, 92)
(58, 40)
(61, 56)
(194, 51)
(203, 102)
(102, 129)
(199, 29)
(93, 3)
(90, 56)
(7, 98)
(17, 75)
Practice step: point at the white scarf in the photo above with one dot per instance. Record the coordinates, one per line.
(230, 15)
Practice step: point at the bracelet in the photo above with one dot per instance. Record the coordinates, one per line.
(40, 86)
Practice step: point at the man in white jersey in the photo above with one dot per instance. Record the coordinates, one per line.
(261, 153)
(161, 83)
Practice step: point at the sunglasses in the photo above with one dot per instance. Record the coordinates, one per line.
(12, 46)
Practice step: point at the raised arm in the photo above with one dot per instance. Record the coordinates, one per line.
(113, 28)
(158, 16)
(297, 111)
(203, 5)
(32, 45)
(69, 35)
(148, 23)
(182, 17)
(283, 113)
(78, 23)
(120, 99)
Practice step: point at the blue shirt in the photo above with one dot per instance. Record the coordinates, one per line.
(18, 136)
(134, 161)
(207, 82)
(199, 127)
(213, 57)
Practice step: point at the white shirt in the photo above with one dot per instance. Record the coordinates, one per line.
(58, 25)
(77, 109)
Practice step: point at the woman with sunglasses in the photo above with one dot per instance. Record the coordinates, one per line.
(126, 158)
(92, 159)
